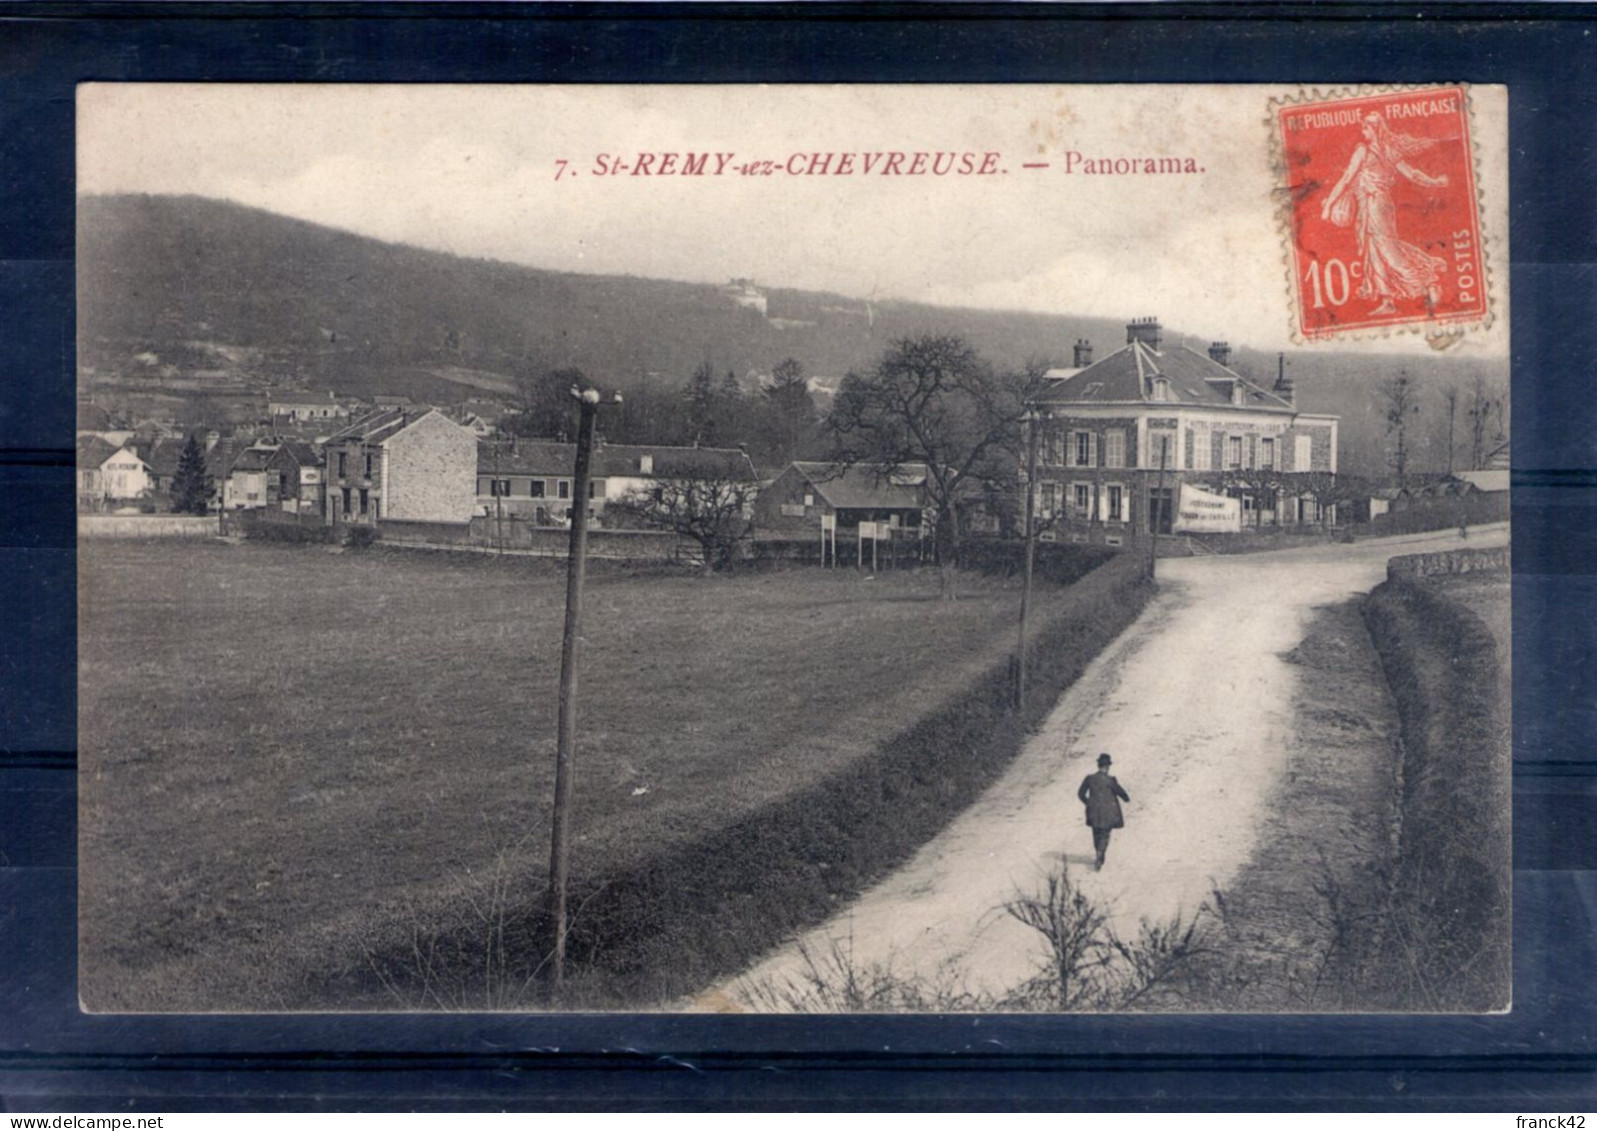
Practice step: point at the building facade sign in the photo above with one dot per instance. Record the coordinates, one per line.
(1199, 512)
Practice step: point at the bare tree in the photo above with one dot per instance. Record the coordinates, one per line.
(1261, 484)
(1402, 402)
(1450, 398)
(1484, 406)
(710, 505)
(932, 401)
(1326, 488)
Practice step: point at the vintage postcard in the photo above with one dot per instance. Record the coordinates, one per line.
(793, 548)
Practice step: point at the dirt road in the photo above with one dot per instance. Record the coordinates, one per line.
(1193, 701)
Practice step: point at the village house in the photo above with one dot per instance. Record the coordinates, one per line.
(162, 457)
(1472, 496)
(809, 496)
(531, 480)
(250, 483)
(468, 419)
(219, 456)
(1120, 437)
(295, 479)
(295, 410)
(109, 476)
(400, 465)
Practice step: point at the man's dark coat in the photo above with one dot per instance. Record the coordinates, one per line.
(1102, 796)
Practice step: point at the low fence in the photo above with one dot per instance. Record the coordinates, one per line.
(147, 526)
(898, 552)
(480, 535)
(1251, 541)
(1445, 562)
(518, 536)
(1441, 514)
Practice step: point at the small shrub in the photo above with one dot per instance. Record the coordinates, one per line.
(360, 537)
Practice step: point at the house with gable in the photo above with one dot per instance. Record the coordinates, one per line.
(808, 493)
(109, 475)
(250, 484)
(294, 475)
(1120, 436)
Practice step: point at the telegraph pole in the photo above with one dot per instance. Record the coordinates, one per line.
(1032, 419)
(1156, 508)
(576, 563)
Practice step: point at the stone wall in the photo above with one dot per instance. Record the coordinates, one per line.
(1445, 562)
(147, 526)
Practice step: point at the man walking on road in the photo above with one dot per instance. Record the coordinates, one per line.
(1101, 794)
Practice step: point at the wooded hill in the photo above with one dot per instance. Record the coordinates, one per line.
(188, 297)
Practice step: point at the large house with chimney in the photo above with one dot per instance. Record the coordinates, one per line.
(1121, 436)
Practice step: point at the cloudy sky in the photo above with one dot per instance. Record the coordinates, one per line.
(478, 171)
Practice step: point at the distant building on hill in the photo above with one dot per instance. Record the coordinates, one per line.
(302, 409)
(746, 296)
(1107, 426)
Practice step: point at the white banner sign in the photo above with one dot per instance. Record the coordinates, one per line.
(1202, 513)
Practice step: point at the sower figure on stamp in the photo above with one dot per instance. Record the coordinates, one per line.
(1390, 268)
(1102, 795)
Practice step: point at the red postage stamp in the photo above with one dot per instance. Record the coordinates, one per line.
(1381, 213)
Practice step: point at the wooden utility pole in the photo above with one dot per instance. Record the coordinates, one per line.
(1033, 420)
(570, 657)
(499, 503)
(1156, 507)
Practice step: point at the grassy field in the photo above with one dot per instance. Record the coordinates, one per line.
(285, 750)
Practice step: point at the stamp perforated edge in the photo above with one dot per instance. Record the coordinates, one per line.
(1440, 334)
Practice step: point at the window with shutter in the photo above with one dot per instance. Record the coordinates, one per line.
(1114, 448)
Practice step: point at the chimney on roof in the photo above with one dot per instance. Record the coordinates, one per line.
(1144, 330)
(1083, 353)
(1283, 383)
(1220, 353)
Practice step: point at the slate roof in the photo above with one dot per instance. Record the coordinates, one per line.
(300, 452)
(253, 459)
(610, 461)
(1491, 480)
(1127, 375)
(93, 452)
(219, 460)
(163, 457)
(862, 487)
(372, 427)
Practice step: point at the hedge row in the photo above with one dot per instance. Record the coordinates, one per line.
(1451, 887)
(258, 528)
